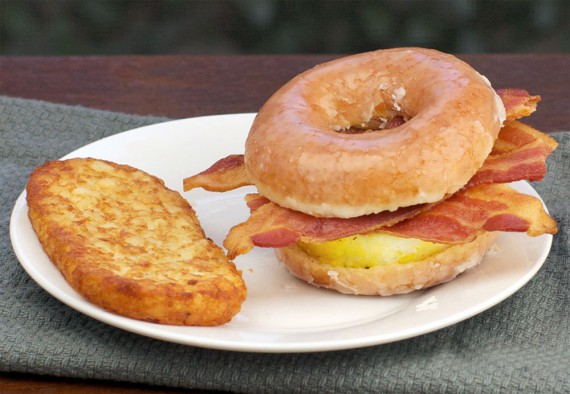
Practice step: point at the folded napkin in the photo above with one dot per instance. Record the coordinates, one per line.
(520, 345)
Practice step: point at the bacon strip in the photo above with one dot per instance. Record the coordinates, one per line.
(226, 174)
(467, 214)
(518, 103)
(458, 219)
(229, 173)
(271, 225)
(520, 152)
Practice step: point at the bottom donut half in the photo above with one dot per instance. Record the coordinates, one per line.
(386, 278)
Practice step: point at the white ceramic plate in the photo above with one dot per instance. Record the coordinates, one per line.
(281, 313)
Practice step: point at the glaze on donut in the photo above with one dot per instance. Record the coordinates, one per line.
(298, 155)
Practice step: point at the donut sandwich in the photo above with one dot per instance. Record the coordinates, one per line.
(385, 172)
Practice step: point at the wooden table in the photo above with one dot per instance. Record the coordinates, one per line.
(187, 86)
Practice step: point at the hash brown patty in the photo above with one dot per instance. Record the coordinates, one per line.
(130, 245)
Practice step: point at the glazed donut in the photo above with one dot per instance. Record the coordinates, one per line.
(299, 155)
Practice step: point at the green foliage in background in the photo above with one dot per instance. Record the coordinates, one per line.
(79, 27)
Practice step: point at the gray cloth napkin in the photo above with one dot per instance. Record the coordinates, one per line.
(520, 345)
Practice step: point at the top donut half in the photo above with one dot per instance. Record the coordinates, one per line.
(299, 156)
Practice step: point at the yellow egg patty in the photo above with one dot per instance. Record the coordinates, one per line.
(369, 250)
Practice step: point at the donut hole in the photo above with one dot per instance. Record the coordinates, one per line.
(387, 113)
(375, 123)
(384, 117)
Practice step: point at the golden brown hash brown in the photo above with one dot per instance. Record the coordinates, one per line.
(130, 245)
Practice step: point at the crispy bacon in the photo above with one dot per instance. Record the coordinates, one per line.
(518, 103)
(458, 219)
(226, 174)
(271, 225)
(470, 212)
(520, 152)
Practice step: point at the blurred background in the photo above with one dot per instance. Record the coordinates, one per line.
(108, 27)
